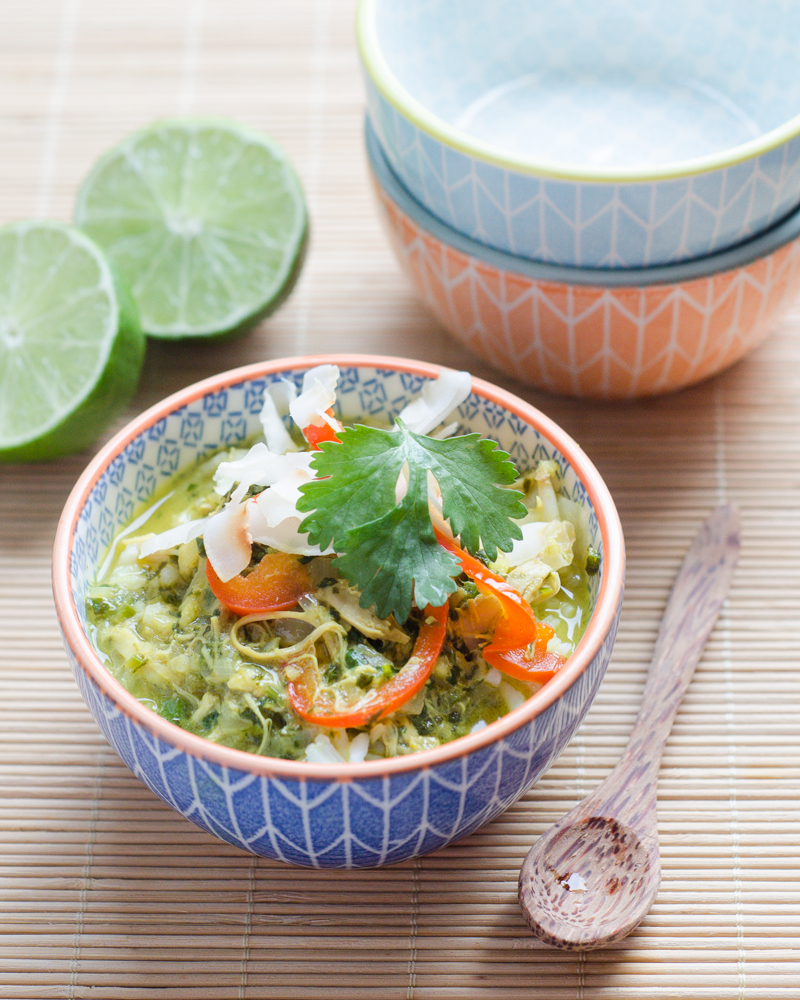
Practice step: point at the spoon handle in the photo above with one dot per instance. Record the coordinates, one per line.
(698, 592)
(692, 609)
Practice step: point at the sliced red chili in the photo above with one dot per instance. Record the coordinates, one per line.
(318, 706)
(315, 434)
(517, 630)
(275, 584)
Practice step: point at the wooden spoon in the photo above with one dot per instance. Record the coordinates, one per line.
(590, 878)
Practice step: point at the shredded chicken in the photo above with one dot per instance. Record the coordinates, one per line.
(344, 599)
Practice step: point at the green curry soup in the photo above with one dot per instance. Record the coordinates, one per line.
(224, 676)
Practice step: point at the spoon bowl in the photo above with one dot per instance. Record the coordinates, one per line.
(590, 882)
(592, 877)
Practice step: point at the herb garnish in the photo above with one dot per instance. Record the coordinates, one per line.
(388, 549)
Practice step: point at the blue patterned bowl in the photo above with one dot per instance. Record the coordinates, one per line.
(603, 135)
(348, 815)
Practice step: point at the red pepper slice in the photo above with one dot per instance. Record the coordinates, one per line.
(311, 705)
(315, 434)
(275, 584)
(516, 629)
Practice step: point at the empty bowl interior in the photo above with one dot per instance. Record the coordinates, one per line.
(614, 86)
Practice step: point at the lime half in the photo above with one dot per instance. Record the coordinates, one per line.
(205, 221)
(71, 349)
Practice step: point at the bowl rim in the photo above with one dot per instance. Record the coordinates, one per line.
(698, 268)
(394, 92)
(601, 622)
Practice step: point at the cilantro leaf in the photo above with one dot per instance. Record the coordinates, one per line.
(359, 484)
(388, 549)
(379, 554)
(466, 469)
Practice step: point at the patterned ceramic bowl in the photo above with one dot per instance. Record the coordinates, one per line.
(582, 332)
(348, 815)
(615, 134)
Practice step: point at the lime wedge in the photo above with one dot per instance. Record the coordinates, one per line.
(71, 349)
(205, 221)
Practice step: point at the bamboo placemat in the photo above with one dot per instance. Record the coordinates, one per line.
(106, 892)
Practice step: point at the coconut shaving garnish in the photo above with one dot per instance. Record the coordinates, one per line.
(371, 495)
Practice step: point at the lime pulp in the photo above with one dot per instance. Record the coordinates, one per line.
(71, 349)
(205, 221)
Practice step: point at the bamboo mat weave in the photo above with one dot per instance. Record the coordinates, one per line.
(104, 891)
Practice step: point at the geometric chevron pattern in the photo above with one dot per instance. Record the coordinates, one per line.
(583, 340)
(606, 86)
(285, 810)
(589, 224)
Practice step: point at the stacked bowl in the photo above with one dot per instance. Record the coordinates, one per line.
(600, 200)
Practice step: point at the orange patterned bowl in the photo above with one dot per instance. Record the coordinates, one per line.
(606, 334)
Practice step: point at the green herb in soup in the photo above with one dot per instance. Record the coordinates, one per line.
(354, 593)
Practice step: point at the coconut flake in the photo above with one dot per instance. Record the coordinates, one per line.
(401, 486)
(277, 402)
(435, 507)
(341, 743)
(271, 518)
(436, 402)
(511, 696)
(327, 375)
(445, 432)
(359, 745)
(172, 537)
(275, 521)
(279, 502)
(322, 751)
(493, 677)
(318, 396)
(259, 467)
(349, 750)
(227, 541)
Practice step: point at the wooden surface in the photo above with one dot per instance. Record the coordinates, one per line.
(106, 892)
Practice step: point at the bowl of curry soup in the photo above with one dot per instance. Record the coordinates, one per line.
(339, 611)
